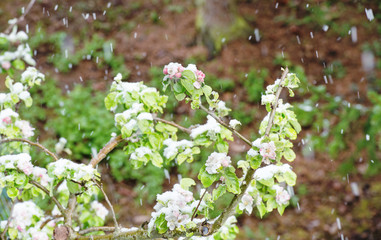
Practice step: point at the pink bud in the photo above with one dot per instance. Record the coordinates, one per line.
(165, 71)
(181, 69)
(6, 65)
(197, 85)
(7, 120)
(178, 75)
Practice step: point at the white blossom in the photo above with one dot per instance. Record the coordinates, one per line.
(99, 209)
(234, 123)
(269, 171)
(211, 127)
(216, 161)
(173, 147)
(26, 130)
(246, 203)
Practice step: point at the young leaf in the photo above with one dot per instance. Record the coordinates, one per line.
(185, 183)
(231, 180)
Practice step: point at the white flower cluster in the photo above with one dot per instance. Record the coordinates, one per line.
(6, 115)
(32, 76)
(22, 52)
(129, 118)
(266, 150)
(216, 161)
(64, 168)
(282, 196)
(140, 152)
(222, 110)
(173, 147)
(22, 162)
(23, 219)
(269, 171)
(177, 206)
(212, 127)
(99, 209)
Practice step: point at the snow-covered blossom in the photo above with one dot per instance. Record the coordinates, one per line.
(99, 209)
(234, 123)
(22, 161)
(145, 116)
(221, 108)
(267, 151)
(282, 196)
(269, 171)
(6, 65)
(23, 214)
(37, 234)
(246, 203)
(118, 77)
(60, 145)
(41, 174)
(268, 98)
(64, 168)
(32, 76)
(216, 161)
(177, 205)
(252, 152)
(258, 142)
(26, 129)
(173, 147)
(212, 127)
(140, 152)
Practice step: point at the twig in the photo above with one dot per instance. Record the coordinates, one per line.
(275, 104)
(230, 210)
(38, 185)
(184, 129)
(109, 204)
(48, 220)
(96, 229)
(105, 150)
(8, 222)
(226, 125)
(30, 143)
(22, 17)
(198, 205)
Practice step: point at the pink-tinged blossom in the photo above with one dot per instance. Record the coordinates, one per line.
(6, 116)
(99, 209)
(216, 161)
(25, 165)
(173, 70)
(267, 151)
(197, 85)
(200, 76)
(6, 65)
(41, 174)
(282, 196)
(26, 129)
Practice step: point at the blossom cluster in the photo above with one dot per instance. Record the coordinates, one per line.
(22, 163)
(9, 58)
(174, 71)
(212, 127)
(173, 147)
(216, 161)
(176, 206)
(26, 222)
(67, 169)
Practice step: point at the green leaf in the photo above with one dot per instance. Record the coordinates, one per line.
(110, 100)
(207, 90)
(12, 192)
(28, 102)
(262, 209)
(222, 146)
(231, 180)
(189, 75)
(291, 133)
(218, 192)
(18, 64)
(161, 224)
(295, 124)
(206, 178)
(290, 178)
(180, 96)
(289, 154)
(73, 187)
(185, 183)
(157, 160)
(271, 204)
(281, 209)
(255, 162)
(13, 233)
(267, 182)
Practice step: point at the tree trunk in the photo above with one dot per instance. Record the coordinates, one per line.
(218, 22)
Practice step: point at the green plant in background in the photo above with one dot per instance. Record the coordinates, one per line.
(335, 69)
(254, 84)
(66, 54)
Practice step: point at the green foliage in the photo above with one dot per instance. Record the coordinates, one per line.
(254, 84)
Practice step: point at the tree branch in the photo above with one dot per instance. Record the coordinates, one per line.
(106, 150)
(22, 17)
(184, 129)
(198, 205)
(96, 229)
(219, 120)
(230, 210)
(38, 185)
(30, 143)
(109, 204)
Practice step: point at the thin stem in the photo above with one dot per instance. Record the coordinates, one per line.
(96, 229)
(30, 143)
(8, 222)
(48, 220)
(100, 186)
(184, 129)
(198, 205)
(226, 125)
(45, 190)
(230, 210)
(22, 17)
(106, 150)
(275, 104)
(70, 209)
